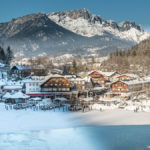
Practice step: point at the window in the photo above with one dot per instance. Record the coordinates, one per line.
(50, 89)
(59, 89)
(64, 89)
(54, 89)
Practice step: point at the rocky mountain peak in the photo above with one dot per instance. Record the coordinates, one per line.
(24, 24)
(29, 17)
(75, 14)
(86, 24)
(127, 25)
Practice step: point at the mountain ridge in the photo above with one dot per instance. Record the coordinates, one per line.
(37, 34)
(84, 23)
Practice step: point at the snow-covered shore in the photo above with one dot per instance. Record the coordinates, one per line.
(29, 120)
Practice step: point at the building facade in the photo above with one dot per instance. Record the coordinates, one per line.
(56, 84)
(130, 86)
(97, 78)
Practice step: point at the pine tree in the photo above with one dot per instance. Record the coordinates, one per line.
(9, 55)
(74, 67)
(2, 54)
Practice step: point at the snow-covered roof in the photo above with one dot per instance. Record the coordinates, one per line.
(15, 95)
(60, 99)
(7, 95)
(51, 76)
(77, 79)
(133, 82)
(19, 95)
(2, 83)
(99, 88)
(32, 81)
(130, 75)
(109, 99)
(87, 99)
(108, 74)
(36, 99)
(12, 87)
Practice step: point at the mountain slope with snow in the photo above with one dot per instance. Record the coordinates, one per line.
(74, 32)
(84, 23)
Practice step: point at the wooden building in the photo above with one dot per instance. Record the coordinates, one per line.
(131, 86)
(102, 78)
(120, 87)
(97, 78)
(128, 77)
(20, 71)
(56, 84)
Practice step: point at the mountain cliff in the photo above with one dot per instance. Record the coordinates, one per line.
(84, 23)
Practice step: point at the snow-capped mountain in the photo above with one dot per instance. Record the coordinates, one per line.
(84, 23)
(74, 32)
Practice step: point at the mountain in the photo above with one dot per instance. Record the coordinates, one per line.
(35, 34)
(84, 23)
(72, 32)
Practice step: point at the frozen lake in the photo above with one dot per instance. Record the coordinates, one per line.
(80, 138)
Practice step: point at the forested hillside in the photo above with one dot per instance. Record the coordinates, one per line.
(136, 59)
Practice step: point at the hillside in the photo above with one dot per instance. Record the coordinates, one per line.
(136, 59)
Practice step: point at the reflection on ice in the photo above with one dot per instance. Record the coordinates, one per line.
(83, 138)
(60, 139)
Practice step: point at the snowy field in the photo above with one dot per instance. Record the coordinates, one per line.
(29, 120)
(93, 130)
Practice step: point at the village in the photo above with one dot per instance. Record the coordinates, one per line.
(22, 88)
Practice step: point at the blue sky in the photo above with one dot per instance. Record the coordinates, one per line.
(118, 10)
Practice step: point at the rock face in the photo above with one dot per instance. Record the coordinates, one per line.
(72, 32)
(84, 23)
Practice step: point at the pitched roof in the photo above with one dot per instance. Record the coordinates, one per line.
(108, 74)
(130, 75)
(133, 82)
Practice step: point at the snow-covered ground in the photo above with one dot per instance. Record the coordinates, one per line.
(29, 120)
